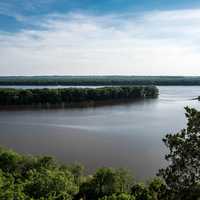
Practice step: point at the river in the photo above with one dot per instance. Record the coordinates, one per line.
(127, 135)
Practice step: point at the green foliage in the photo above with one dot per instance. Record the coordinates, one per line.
(70, 96)
(42, 178)
(141, 192)
(9, 189)
(122, 196)
(99, 80)
(77, 170)
(105, 182)
(54, 184)
(182, 176)
(28, 177)
(9, 161)
(156, 188)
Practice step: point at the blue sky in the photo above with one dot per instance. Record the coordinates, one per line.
(81, 37)
(13, 11)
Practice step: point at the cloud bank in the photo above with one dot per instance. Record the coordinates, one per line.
(151, 43)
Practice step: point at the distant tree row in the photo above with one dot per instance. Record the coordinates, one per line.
(100, 80)
(74, 95)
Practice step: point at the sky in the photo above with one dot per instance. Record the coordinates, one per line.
(99, 37)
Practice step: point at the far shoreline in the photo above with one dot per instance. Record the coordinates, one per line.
(99, 80)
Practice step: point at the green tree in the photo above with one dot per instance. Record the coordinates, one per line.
(122, 196)
(105, 182)
(108, 181)
(53, 184)
(9, 160)
(10, 190)
(124, 180)
(156, 188)
(77, 170)
(141, 192)
(182, 176)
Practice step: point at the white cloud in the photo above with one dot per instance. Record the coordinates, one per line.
(153, 43)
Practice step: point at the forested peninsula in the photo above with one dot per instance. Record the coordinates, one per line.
(74, 96)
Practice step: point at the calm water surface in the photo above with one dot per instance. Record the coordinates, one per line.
(127, 135)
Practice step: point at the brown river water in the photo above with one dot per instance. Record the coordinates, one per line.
(128, 135)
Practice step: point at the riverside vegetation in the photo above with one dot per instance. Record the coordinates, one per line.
(99, 80)
(24, 177)
(70, 96)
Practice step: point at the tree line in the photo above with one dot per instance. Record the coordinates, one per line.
(25, 177)
(99, 80)
(74, 95)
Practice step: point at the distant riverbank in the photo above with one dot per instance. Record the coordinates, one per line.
(99, 80)
(73, 97)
